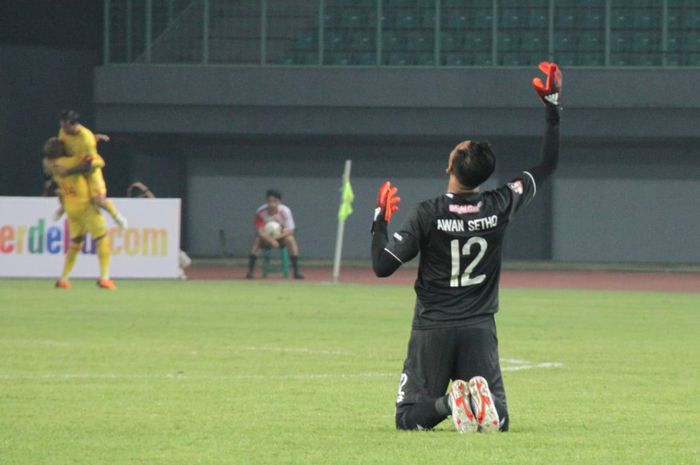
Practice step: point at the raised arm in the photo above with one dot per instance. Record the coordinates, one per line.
(549, 93)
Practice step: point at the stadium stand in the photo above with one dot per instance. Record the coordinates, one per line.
(405, 32)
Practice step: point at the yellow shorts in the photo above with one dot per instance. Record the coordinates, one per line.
(96, 182)
(88, 221)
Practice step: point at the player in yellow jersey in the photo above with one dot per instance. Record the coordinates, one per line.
(81, 147)
(83, 215)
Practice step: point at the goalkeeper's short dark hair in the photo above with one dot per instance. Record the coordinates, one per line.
(475, 164)
(273, 193)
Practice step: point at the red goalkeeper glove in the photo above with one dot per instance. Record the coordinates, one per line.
(387, 201)
(550, 91)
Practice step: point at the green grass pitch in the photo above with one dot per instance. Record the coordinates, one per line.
(288, 373)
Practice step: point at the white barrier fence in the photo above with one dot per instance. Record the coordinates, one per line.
(33, 245)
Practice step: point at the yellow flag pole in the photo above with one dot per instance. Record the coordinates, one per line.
(341, 227)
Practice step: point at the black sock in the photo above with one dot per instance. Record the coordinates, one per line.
(442, 405)
(421, 415)
(294, 259)
(251, 263)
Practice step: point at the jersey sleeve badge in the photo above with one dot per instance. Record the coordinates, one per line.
(516, 187)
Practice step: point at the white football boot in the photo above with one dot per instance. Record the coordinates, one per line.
(482, 402)
(462, 415)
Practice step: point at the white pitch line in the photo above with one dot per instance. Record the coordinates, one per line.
(528, 367)
(303, 350)
(113, 376)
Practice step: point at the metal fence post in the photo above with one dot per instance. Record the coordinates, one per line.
(149, 29)
(379, 32)
(550, 46)
(263, 31)
(664, 32)
(608, 23)
(494, 32)
(105, 35)
(438, 9)
(205, 33)
(128, 31)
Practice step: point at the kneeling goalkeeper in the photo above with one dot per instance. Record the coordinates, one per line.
(460, 237)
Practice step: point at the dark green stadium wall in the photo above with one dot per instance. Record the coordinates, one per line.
(239, 131)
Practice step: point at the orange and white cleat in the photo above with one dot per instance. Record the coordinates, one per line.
(484, 407)
(106, 284)
(462, 416)
(63, 284)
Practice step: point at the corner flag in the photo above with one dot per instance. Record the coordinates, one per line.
(348, 197)
(344, 211)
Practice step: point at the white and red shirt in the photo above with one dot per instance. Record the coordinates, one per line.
(283, 217)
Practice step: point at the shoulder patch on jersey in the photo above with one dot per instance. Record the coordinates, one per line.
(398, 237)
(516, 187)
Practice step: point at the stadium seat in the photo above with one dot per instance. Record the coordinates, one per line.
(647, 19)
(352, 18)
(591, 41)
(538, 18)
(483, 18)
(483, 59)
(692, 42)
(456, 20)
(272, 265)
(514, 59)
(621, 41)
(477, 41)
(591, 59)
(673, 42)
(673, 60)
(566, 59)
(398, 59)
(335, 40)
(534, 41)
(366, 59)
(622, 19)
(455, 59)
(427, 19)
(451, 41)
(425, 59)
(406, 19)
(566, 40)
(306, 41)
(362, 40)
(332, 17)
(593, 19)
(674, 18)
(691, 20)
(511, 18)
(392, 40)
(642, 59)
(646, 42)
(565, 18)
(508, 41)
(694, 59)
(419, 41)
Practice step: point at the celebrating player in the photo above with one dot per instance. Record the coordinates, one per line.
(83, 215)
(274, 210)
(81, 147)
(459, 236)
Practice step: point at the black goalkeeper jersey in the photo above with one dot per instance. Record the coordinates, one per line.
(460, 240)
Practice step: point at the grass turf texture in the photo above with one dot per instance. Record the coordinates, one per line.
(226, 373)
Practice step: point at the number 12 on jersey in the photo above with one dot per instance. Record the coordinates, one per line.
(466, 279)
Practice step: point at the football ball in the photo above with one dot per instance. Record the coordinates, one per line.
(273, 228)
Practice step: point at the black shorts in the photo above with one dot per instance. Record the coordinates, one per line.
(436, 356)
